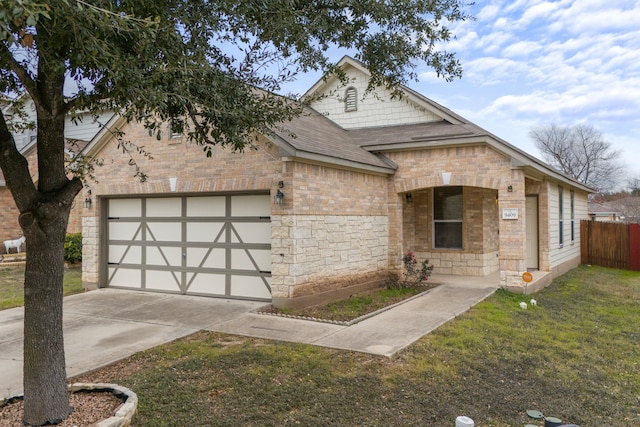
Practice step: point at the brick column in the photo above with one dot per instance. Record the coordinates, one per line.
(513, 232)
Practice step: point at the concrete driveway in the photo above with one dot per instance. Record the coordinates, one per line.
(106, 325)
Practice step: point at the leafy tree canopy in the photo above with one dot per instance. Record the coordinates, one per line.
(203, 60)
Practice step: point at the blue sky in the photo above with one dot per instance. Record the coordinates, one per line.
(533, 62)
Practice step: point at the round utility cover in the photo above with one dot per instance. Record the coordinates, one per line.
(533, 413)
(552, 422)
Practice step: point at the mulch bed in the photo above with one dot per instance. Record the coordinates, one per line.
(88, 408)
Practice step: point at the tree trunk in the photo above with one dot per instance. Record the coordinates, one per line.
(45, 378)
(44, 215)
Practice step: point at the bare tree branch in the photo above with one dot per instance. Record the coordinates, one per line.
(580, 152)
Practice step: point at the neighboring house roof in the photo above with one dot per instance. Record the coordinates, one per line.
(602, 209)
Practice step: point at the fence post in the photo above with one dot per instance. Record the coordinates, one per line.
(634, 247)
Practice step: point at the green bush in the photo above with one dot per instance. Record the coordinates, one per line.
(73, 248)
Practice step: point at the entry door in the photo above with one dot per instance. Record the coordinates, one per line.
(533, 248)
(217, 245)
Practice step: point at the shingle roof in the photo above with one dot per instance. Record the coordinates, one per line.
(313, 133)
(401, 134)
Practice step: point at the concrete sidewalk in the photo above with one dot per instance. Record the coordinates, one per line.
(107, 325)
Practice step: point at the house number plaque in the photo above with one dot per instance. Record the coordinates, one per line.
(510, 213)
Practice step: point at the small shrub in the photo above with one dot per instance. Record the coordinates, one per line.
(414, 273)
(73, 248)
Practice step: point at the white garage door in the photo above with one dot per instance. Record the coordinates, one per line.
(200, 245)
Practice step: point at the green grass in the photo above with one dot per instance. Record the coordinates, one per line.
(575, 356)
(12, 285)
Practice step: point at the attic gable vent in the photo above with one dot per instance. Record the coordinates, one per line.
(350, 99)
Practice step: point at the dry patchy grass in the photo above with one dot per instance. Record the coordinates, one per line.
(574, 356)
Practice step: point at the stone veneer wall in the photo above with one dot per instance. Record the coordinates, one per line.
(462, 264)
(90, 252)
(331, 234)
(315, 254)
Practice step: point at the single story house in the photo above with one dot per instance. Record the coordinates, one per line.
(329, 207)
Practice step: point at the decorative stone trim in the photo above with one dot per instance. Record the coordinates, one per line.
(124, 413)
(341, 322)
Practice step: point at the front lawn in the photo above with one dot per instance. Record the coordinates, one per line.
(575, 356)
(12, 285)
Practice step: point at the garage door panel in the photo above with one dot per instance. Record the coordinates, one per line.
(251, 259)
(125, 208)
(125, 277)
(124, 231)
(251, 206)
(207, 258)
(208, 284)
(252, 232)
(164, 231)
(249, 286)
(210, 206)
(165, 207)
(162, 280)
(204, 231)
(121, 254)
(163, 255)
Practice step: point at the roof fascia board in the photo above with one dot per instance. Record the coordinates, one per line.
(412, 145)
(318, 159)
(103, 136)
(289, 153)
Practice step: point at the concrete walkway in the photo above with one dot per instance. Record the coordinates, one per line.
(107, 325)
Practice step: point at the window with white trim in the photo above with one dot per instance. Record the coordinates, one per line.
(350, 99)
(560, 216)
(447, 217)
(176, 127)
(573, 215)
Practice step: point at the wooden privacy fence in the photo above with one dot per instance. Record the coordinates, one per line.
(610, 244)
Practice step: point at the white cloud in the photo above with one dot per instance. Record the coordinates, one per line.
(522, 49)
(488, 13)
(597, 16)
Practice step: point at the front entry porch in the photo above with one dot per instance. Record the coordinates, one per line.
(541, 279)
